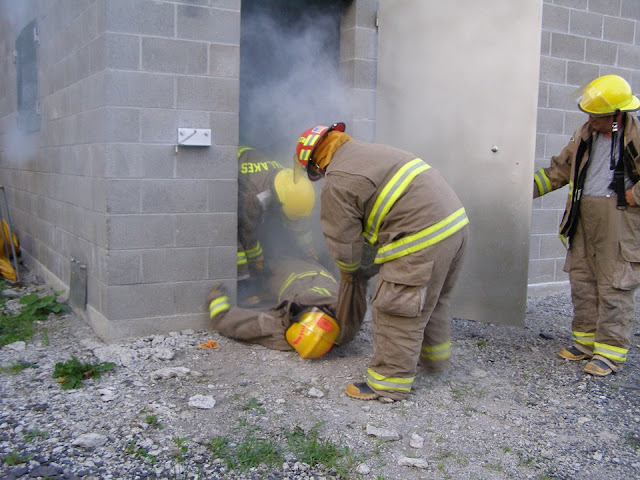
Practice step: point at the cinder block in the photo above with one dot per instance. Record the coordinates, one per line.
(158, 161)
(174, 56)
(549, 121)
(534, 247)
(629, 56)
(123, 160)
(174, 196)
(561, 97)
(555, 18)
(224, 61)
(120, 125)
(207, 162)
(543, 94)
(619, 30)
(158, 126)
(222, 262)
(556, 202)
(554, 145)
(577, 4)
(364, 73)
(599, 52)
(545, 43)
(606, 7)
(567, 46)
(551, 246)
(216, 94)
(586, 24)
(208, 24)
(140, 17)
(139, 89)
(141, 231)
(121, 51)
(140, 300)
(206, 229)
(553, 69)
(123, 196)
(630, 9)
(224, 128)
(222, 196)
(361, 13)
(544, 221)
(573, 120)
(579, 73)
(541, 271)
(174, 265)
(364, 103)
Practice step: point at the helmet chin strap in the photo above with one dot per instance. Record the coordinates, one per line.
(614, 141)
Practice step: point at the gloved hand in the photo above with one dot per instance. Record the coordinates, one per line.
(346, 277)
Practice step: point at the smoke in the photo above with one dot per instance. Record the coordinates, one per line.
(289, 73)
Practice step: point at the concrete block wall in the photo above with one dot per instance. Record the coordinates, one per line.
(581, 40)
(358, 63)
(105, 184)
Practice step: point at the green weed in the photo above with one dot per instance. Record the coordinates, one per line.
(16, 327)
(312, 450)
(181, 447)
(17, 367)
(15, 458)
(73, 372)
(633, 440)
(152, 420)
(34, 433)
(133, 449)
(254, 404)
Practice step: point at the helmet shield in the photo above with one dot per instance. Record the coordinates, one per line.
(606, 95)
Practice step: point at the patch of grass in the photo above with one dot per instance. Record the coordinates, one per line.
(633, 439)
(182, 448)
(73, 372)
(133, 449)
(35, 433)
(254, 404)
(15, 458)
(17, 367)
(312, 450)
(152, 420)
(17, 327)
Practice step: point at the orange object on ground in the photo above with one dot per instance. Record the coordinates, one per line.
(212, 344)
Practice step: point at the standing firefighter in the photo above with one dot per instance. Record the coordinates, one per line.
(396, 202)
(601, 223)
(303, 318)
(272, 217)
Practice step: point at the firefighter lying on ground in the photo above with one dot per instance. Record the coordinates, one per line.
(403, 207)
(303, 317)
(273, 214)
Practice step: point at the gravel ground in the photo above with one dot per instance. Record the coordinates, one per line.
(508, 408)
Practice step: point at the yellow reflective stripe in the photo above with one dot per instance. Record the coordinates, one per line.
(321, 291)
(328, 275)
(609, 351)
(254, 252)
(424, 238)
(295, 276)
(241, 150)
(311, 140)
(218, 305)
(380, 382)
(389, 194)
(348, 267)
(542, 181)
(563, 239)
(584, 338)
(241, 258)
(437, 352)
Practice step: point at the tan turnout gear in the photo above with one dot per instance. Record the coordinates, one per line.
(419, 228)
(294, 284)
(264, 228)
(603, 240)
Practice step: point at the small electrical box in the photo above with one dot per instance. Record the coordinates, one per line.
(195, 137)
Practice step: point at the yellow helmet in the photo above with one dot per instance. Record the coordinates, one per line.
(313, 334)
(607, 95)
(296, 198)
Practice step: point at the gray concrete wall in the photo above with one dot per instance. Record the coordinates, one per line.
(581, 40)
(103, 183)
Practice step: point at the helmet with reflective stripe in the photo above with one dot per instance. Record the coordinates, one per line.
(607, 95)
(310, 138)
(313, 334)
(296, 198)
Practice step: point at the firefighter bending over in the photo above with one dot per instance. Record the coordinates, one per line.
(402, 206)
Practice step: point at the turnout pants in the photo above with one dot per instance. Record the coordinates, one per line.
(411, 322)
(602, 282)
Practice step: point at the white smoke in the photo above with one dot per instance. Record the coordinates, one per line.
(299, 84)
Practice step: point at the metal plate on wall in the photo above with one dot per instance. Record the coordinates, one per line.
(78, 285)
(457, 85)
